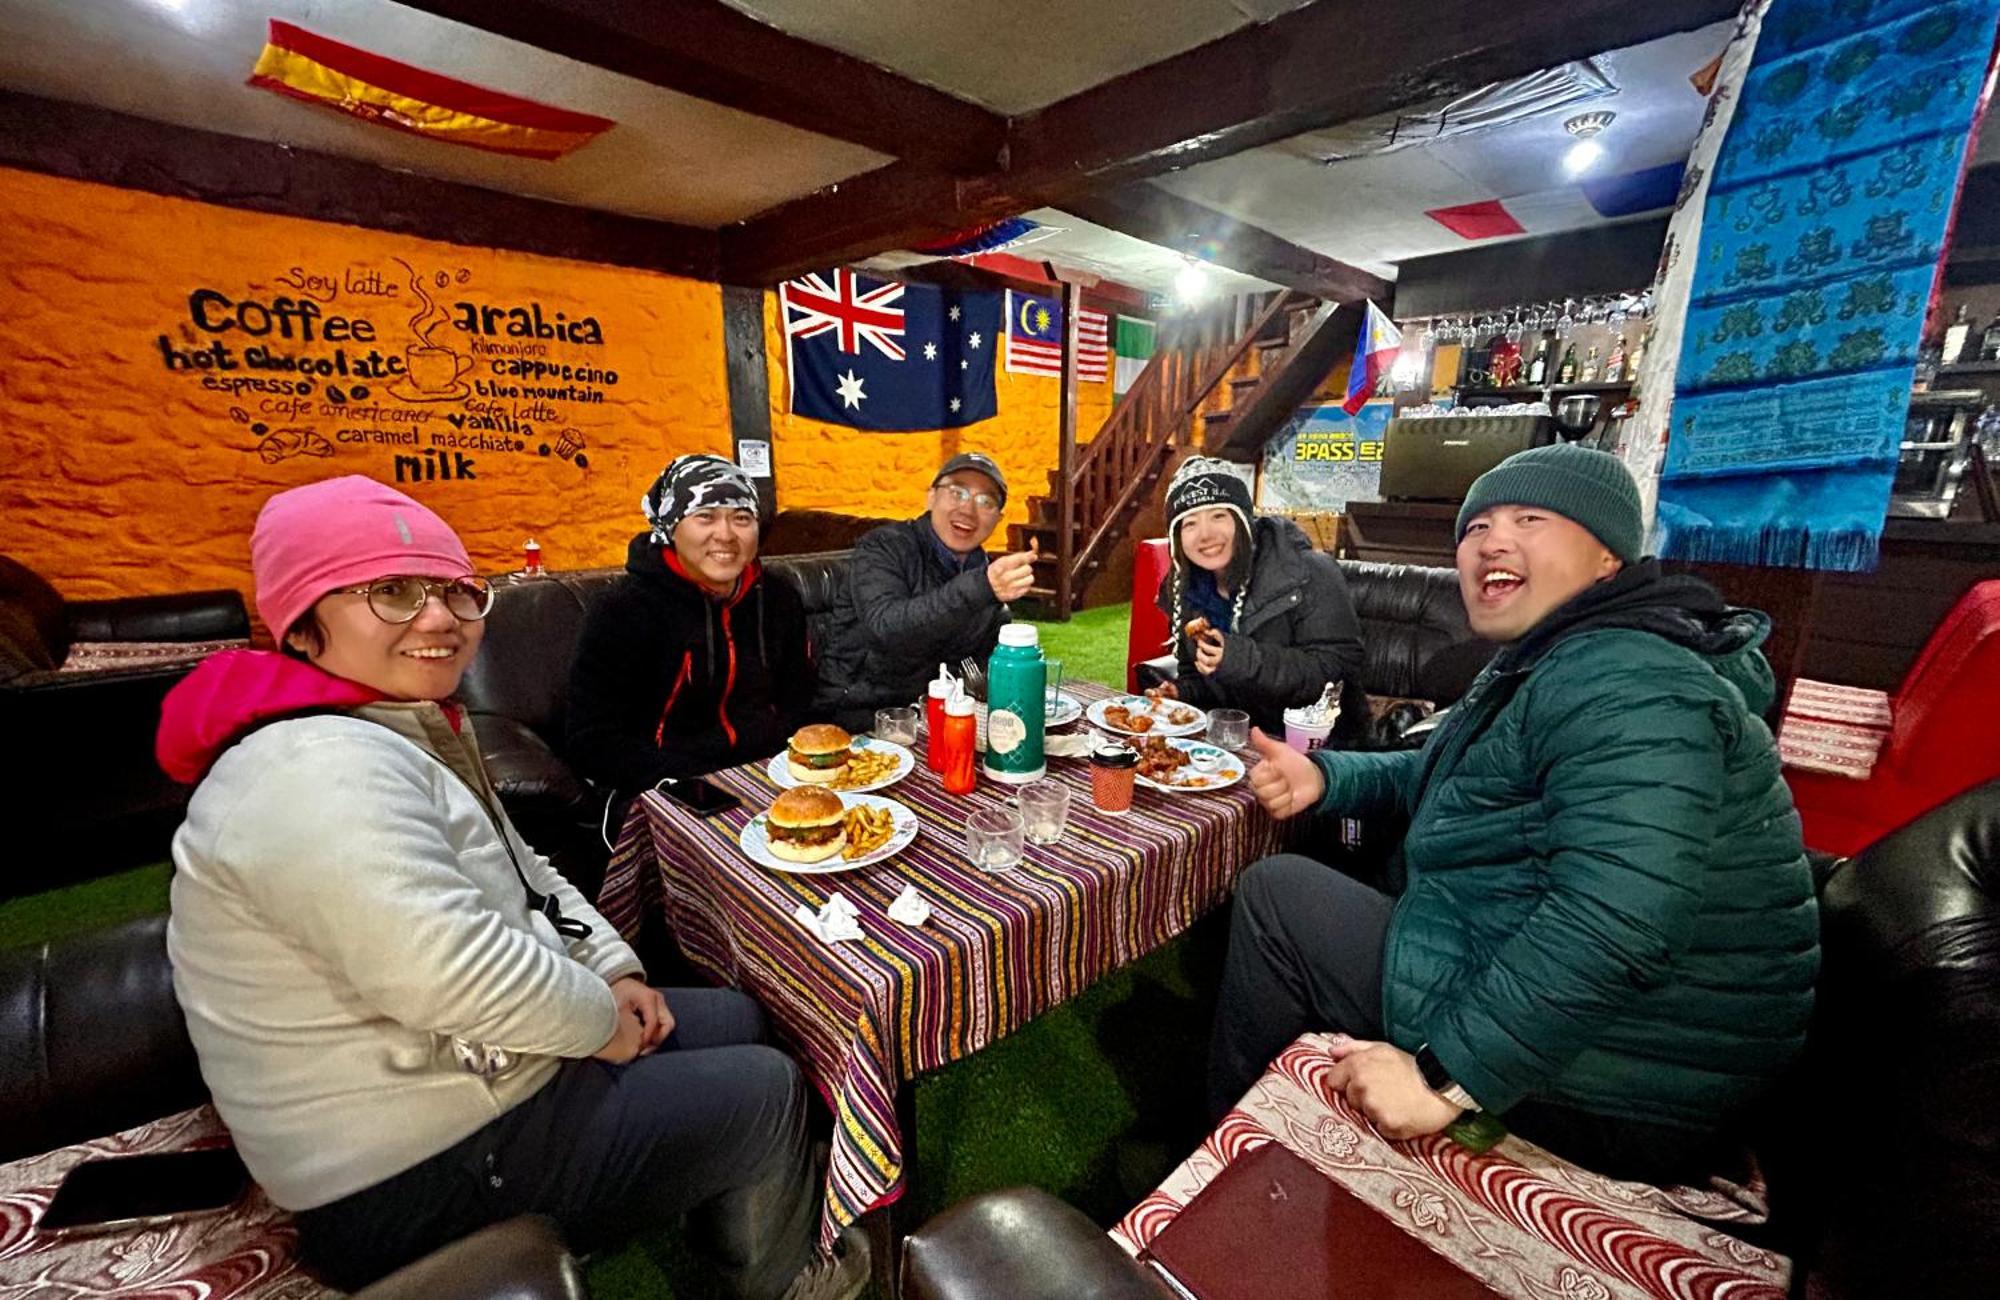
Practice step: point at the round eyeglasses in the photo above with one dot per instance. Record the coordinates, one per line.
(983, 500)
(400, 600)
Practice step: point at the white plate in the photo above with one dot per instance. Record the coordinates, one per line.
(1068, 710)
(756, 842)
(1228, 770)
(1140, 704)
(906, 762)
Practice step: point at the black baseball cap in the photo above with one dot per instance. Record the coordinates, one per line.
(977, 461)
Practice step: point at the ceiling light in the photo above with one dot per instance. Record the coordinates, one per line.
(1585, 153)
(1582, 156)
(1191, 281)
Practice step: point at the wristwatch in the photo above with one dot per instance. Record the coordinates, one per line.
(1439, 1080)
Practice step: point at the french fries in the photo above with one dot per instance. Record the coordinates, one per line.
(865, 767)
(868, 829)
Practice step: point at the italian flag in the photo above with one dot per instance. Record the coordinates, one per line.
(1133, 346)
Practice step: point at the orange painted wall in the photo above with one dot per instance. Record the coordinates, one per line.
(126, 473)
(821, 466)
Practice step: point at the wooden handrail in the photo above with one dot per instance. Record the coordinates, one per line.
(1279, 301)
(1106, 475)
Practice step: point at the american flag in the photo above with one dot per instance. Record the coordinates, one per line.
(858, 316)
(1035, 335)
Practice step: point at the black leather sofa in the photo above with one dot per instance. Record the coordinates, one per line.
(1413, 634)
(92, 1042)
(517, 691)
(1882, 1151)
(80, 744)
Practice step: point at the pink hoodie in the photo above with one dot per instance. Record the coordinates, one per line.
(235, 691)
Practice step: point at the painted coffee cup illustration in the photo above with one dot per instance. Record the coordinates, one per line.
(434, 369)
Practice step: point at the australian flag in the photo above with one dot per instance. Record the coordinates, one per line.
(874, 354)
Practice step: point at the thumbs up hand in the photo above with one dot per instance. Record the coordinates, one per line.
(1286, 782)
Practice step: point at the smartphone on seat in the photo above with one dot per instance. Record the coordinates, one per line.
(118, 1193)
(699, 795)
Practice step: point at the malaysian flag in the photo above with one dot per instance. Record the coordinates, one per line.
(874, 354)
(1035, 338)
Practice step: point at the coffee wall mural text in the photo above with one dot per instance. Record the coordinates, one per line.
(409, 368)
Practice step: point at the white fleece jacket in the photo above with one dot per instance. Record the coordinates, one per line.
(343, 909)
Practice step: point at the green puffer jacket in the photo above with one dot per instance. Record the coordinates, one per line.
(1606, 903)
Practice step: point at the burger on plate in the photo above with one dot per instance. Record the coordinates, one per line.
(818, 753)
(806, 824)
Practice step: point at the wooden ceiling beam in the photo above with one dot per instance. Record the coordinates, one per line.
(1145, 211)
(706, 49)
(84, 143)
(1330, 62)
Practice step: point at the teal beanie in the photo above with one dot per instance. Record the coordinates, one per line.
(1591, 488)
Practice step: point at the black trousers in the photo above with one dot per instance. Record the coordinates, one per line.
(1305, 954)
(712, 1124)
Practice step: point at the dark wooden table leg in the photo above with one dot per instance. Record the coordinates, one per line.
(886, 1227)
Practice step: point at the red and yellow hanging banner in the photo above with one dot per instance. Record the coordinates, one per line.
(317, 70)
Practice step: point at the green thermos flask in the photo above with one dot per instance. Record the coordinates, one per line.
(1016, 688)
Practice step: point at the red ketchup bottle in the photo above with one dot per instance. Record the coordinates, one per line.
(957, 755)
(939, 692)
(531, 559)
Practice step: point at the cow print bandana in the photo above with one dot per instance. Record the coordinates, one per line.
(691, 483)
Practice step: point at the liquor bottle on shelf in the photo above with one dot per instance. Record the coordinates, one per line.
(1638, 354)
(1589, 375)
(1538, 369)
(1614, 365)
(1566, 372)
(1955, 337)
(1989, 342)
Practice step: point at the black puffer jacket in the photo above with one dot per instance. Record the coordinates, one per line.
(1297, 631)
(670, 681)
(907, 612)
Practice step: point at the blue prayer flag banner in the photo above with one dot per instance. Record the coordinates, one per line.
(1821, 233)
(878, 355)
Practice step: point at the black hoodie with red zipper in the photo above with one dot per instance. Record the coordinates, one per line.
(671, 680)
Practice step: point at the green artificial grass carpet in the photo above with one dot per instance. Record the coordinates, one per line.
(1091, 645)
(92, 905)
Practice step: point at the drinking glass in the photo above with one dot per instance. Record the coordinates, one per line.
(897, 726)
(1229, 728)
(1053, 692)
(1044, 811)
(993, 839)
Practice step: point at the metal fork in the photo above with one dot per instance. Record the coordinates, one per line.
(975, 678)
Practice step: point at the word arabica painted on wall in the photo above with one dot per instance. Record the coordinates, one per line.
(373, 364)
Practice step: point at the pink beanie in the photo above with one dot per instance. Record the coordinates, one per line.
(340, 532)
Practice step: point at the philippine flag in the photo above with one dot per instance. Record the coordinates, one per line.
(1374, 352)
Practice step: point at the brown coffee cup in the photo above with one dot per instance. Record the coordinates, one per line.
(433, 369)
(1113, 772)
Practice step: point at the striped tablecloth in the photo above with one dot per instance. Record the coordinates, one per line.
(1528, 1224)
(998, 950)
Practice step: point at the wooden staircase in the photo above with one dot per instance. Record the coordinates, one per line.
(1267, 353)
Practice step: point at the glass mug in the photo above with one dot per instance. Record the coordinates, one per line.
(1229, 728)
(896, 726)
(1044, 811)
(993, 839)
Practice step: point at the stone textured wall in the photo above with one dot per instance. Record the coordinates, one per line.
(821, 466)
(142, 432)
